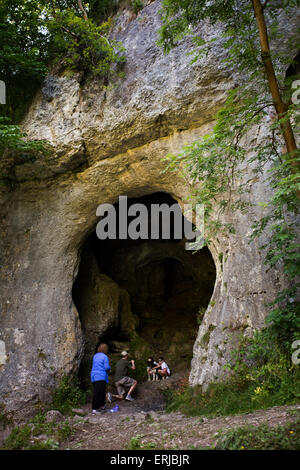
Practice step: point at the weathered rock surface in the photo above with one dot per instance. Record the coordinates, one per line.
(97, 300)
(109, 142)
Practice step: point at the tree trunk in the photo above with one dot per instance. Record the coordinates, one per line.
(82, 10)
(281, 109)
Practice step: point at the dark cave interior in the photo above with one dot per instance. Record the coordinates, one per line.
(147, 296)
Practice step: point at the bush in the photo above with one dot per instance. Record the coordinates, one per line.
(85, 45)
(18, 439)
(68, 395)
(31, 436)
(261, 437)
(137, 5)
(262, 375)
(219, 400)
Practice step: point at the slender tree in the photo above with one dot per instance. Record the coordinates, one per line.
(278, 102)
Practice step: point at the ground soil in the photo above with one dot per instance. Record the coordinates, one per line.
(145, 420)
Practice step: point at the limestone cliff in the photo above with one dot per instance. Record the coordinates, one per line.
(109, 141)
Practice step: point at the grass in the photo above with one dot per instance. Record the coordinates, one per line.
(261, 437)
(68, 395)
(21, 438)
(18, 439)
(137, 444)
(219, 400)
(232, 397)
(262, 375)
(26, 437)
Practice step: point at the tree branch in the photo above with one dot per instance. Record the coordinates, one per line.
(82, 10)
(62, 26)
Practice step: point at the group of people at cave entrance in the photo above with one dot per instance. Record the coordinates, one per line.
(124, 383)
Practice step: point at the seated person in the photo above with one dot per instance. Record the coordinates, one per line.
(151, 371)
(163, 369)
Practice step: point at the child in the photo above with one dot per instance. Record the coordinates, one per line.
(163, 370)
(151, 371)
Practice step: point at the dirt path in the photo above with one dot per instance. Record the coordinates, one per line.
(157, 429)
(143, 424)
(160, 430)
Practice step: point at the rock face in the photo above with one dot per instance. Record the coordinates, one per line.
(107, 142)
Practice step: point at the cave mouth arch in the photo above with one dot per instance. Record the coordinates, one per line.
(145, 296)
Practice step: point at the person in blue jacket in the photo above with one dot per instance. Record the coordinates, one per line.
(99, 378)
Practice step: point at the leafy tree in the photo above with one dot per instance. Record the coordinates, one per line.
(241, 33)
(248, 29)
(36, 34)
(85, 44)
(33, 33)
(24, 52)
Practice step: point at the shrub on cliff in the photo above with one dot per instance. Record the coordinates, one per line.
(67, 395)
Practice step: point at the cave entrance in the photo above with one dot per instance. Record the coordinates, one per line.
(145, 296)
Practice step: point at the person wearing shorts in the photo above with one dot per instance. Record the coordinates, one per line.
(122, 380)
(163, 369)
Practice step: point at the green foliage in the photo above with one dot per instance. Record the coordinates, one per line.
(14, 148)
(24, 53)
(219, 400)
(68, 395)
(12, 138)
(40, 425)
(263, 364)
(35, 35)
(261, 375)
(84, 45)
(137, 5)
(64, 432)
(179, 15)
(35, 32)
(200, 315)
(27, 436)
(283, 246)
(218, 160)
(18, 439)
(48, 444)
(136, 444)
(57, 432)
(261, 437)
(4, 417)
(182, 17)
(214, 161)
